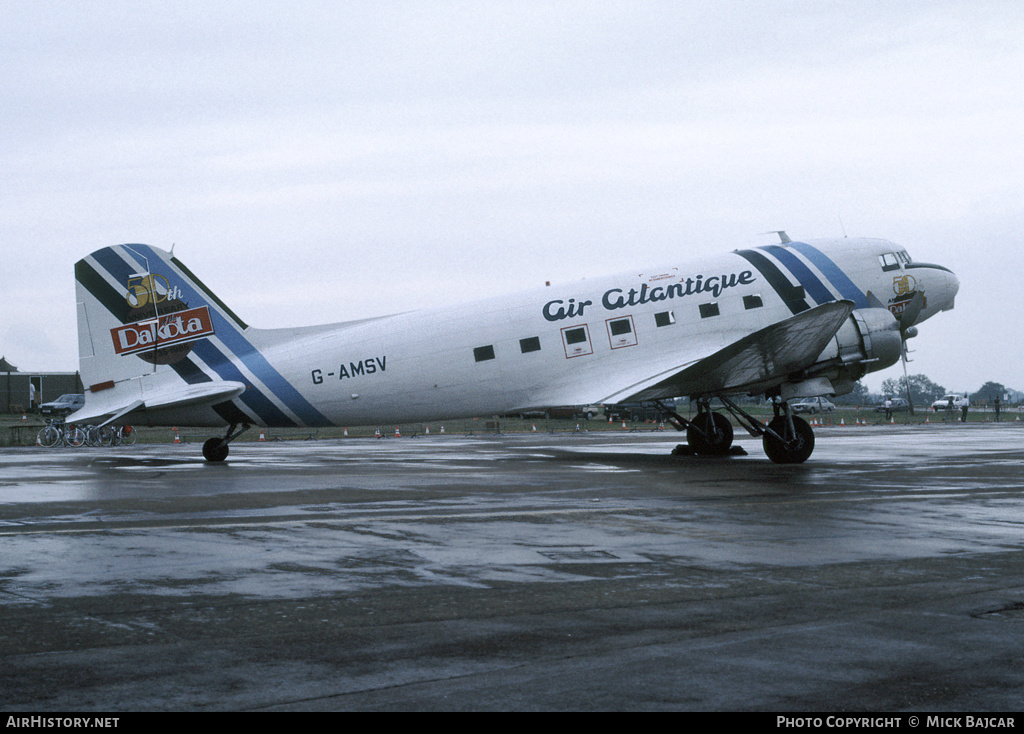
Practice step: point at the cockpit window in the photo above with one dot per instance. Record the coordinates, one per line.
(889, 262)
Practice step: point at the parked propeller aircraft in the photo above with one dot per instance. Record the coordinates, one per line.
(792, 320)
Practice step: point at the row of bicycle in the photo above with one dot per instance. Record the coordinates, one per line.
(56, 433)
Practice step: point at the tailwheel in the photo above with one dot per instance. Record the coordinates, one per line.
(215, 449)
(709, 434)
(785, 447)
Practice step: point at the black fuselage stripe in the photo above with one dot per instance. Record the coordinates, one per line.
(792, 295)
(105, 293)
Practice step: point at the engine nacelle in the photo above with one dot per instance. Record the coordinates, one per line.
(868, 340)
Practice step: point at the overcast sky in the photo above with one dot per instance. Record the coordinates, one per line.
(324, 161)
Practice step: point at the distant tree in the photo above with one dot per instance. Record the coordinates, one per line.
(859, 396)
(988, 392)
(922, 390)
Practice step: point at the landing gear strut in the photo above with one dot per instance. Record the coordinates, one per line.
(709, 434)
(216, 449)
(788, 439)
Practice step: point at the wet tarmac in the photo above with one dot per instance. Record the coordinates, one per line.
(522, 572)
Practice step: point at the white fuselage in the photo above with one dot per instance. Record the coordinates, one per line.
(572, 344)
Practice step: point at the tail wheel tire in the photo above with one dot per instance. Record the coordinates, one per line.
(708, 441)
(795, 451)
(215, 450)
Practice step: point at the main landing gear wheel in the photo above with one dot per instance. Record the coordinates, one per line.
(215, 449)
(709, 434)
(796, 449)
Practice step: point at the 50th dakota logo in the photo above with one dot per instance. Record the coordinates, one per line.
(176, 330)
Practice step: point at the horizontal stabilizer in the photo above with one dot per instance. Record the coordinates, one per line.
(181, 396)
(755, 362)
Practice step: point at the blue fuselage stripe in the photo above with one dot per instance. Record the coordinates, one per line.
(235, 341)
(846, 287)
(814, 287)
(257, 401)
(232, 338)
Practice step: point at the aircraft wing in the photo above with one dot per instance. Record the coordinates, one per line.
(755, 361)
(186, 396)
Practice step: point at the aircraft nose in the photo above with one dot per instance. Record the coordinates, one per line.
(950, 287)
(940, 286)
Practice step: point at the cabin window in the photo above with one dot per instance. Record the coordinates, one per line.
(482, 354)
(707, 310)
(750, 302)
(665, 318)
(532, 344)
(889, 262)
(620, 327)
(620, 332)
(575, 336)
(576, 341)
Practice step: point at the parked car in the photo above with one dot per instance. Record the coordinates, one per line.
(943, 402)
(563, 411)
(62, 406)
(634, 412)
(897, 405)
(812, 406)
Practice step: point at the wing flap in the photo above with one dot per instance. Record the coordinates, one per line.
(757, 360)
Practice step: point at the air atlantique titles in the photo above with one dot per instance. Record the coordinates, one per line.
(617, 298)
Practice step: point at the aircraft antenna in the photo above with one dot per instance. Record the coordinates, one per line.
(782, 235)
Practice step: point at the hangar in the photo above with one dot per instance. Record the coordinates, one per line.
(15, 388)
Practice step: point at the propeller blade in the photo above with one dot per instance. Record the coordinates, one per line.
(912, 311)
(906, 379)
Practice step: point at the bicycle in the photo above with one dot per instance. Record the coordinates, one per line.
(56, 433)
(110, 436)
(127, 435)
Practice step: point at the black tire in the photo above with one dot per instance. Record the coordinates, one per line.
(703, 440)
(796, 452)
(128, 435)
(75, 436)
(49, 437)
(215, 450)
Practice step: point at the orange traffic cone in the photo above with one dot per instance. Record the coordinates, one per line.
(177, 438)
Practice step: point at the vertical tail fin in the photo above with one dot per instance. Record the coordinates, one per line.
(150, 332)
(140, 309)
